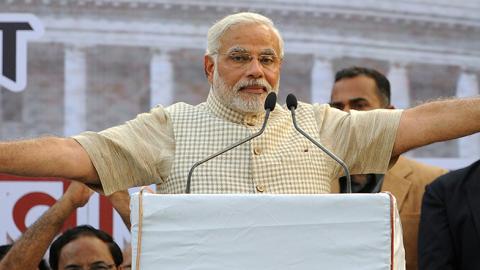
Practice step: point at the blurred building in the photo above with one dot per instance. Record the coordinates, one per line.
(101, 62)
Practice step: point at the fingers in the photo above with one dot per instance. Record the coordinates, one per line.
(147, 189)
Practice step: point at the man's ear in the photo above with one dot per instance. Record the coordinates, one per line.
(209, 67)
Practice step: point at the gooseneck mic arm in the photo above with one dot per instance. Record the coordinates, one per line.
(292, 106)
(270, 102)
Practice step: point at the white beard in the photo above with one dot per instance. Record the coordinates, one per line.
(234, 99)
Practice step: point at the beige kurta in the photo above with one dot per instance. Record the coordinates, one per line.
(161, 146)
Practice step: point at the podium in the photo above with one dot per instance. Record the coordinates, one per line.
(253, 232)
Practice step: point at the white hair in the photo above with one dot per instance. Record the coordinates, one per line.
(216, 32)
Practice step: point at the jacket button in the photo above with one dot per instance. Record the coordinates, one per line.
(260, 188)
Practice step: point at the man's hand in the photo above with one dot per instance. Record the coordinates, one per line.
(121, 202)
(77, 194)
(35, 241)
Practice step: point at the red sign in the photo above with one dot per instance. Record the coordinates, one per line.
(24, 199)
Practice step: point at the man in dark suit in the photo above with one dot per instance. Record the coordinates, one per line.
(449, 235)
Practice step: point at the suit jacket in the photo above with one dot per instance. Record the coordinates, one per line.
(450, 221)
(406, 180)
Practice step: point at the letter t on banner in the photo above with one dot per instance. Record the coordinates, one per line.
(16, 29)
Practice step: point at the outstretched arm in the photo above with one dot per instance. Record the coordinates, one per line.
(28, 251)
(437, 121)
(48, 157)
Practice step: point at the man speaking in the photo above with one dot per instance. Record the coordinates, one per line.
(242, 63)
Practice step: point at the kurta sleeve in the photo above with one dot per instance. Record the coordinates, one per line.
(139, 152)
(362, 139)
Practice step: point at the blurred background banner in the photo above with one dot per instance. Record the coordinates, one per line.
(24, 199)
(101, 62)
(16, 30)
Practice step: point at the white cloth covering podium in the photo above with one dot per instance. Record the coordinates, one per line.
(277, 232)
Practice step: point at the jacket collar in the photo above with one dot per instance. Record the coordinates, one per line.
(395, 181)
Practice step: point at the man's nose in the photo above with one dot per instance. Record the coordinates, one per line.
(255, 69)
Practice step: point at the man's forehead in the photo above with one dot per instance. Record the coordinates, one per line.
(357, 86)
(250, 36)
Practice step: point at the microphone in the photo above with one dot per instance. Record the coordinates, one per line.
(269, 106)
(292, 106)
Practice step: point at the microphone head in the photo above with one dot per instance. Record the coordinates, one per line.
(291, 102)
(270, 101)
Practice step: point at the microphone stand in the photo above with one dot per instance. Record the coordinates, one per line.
(333, 156)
